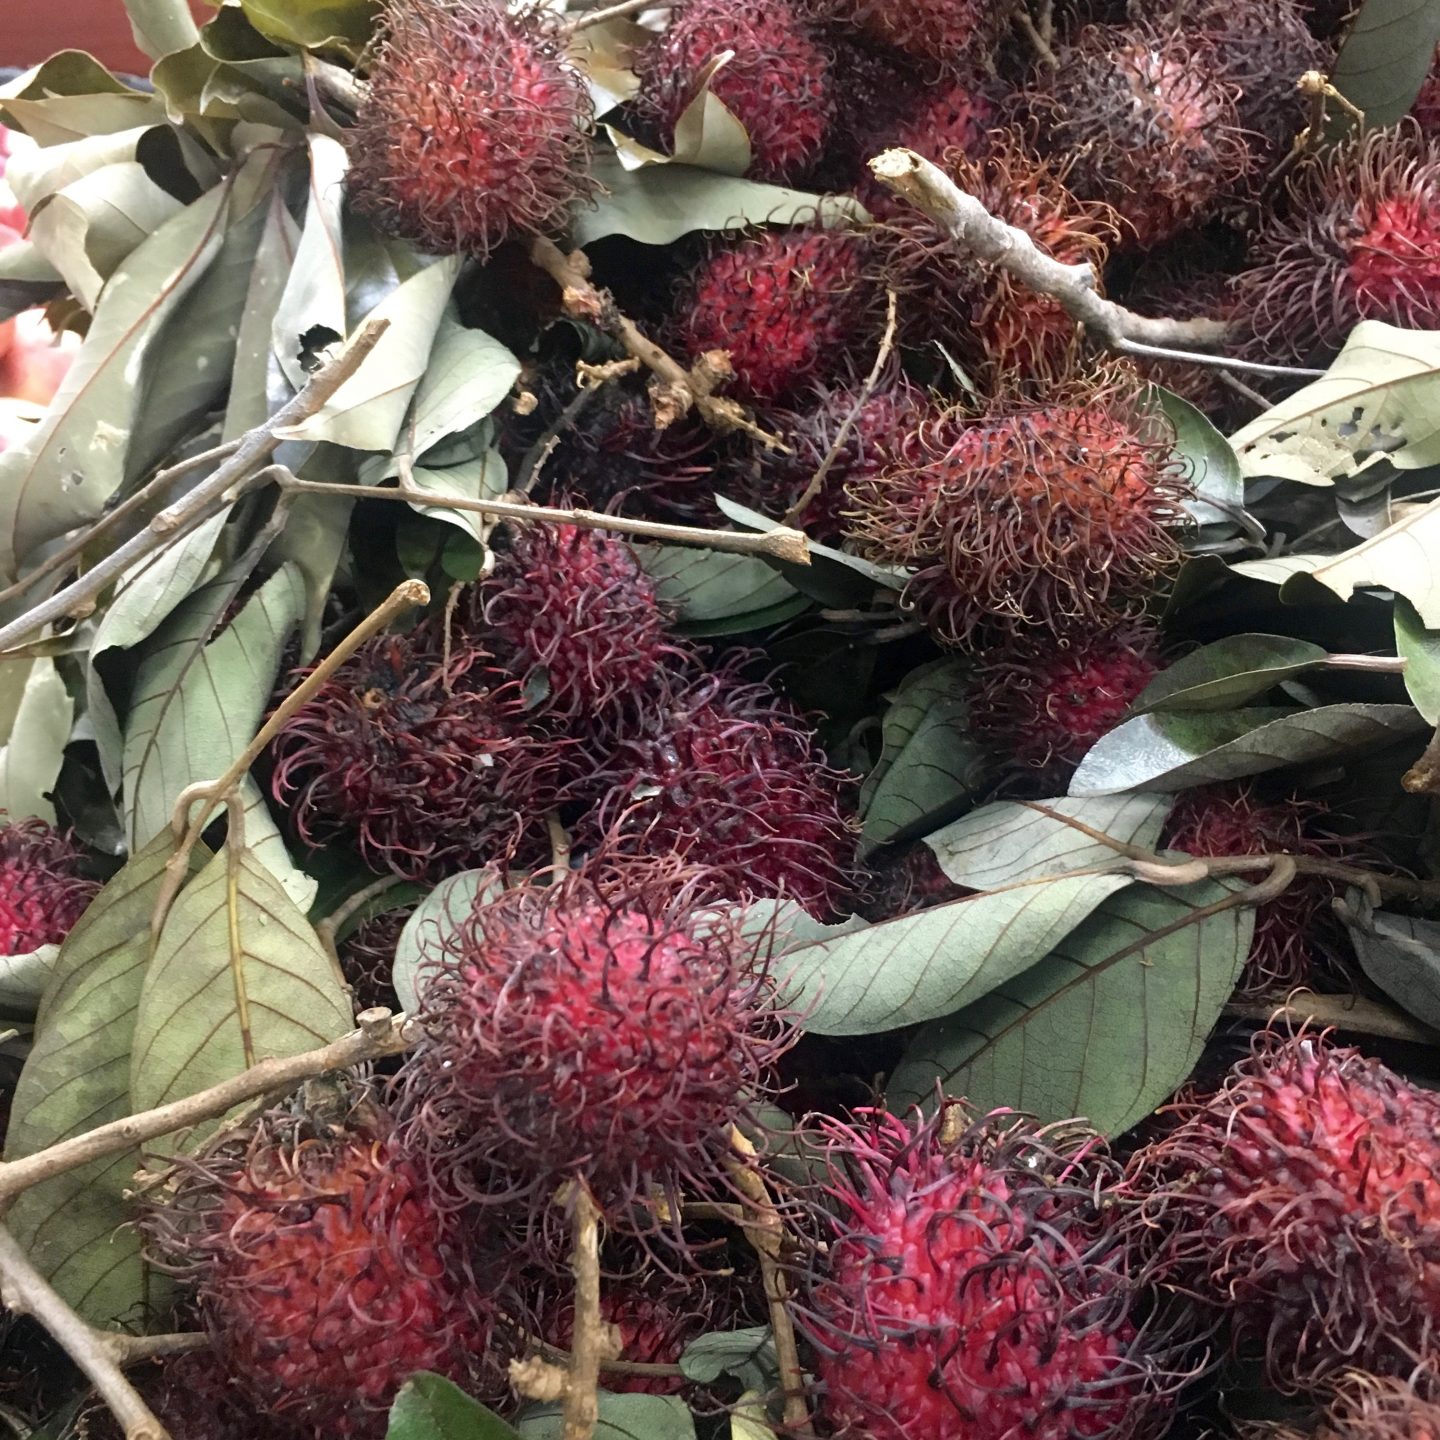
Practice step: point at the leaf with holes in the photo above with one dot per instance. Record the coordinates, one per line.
(1106, 1026)
(1385, 57)
(239, 975)
(1400, 558)
(1378, 398)
(1228, 673)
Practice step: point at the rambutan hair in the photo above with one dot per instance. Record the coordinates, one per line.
(1358, 240)
(42, 893)
(473, 129)
(943, 35)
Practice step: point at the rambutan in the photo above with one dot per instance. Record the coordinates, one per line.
(1302, 1200)
(1233, 820)
(42, 893)
(1033, 514)
(787, 305)
(367, 958)
(729, 776)
(473, 128)
(905, 883)
(597, 1027)
(977, 1286)
(776, 82)
(941, 34)
(1042, 699)
(416, 755)
(1359, 240)
(1376, 1407)
(324, 1273)
(1152, 127)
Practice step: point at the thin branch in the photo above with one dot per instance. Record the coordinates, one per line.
(1343, 1012)
(380, 1033)
(26, 1292)
(966, 221)
(781, 543)
(223, 486)
(538, 455)
(1376, 664)
(587, 1345)
(559, 842)
(1038, 43)
(328, 928)
(137, 1349)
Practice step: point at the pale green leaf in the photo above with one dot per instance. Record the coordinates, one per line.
(432, 926)
(603, 54)
(1010, 841)
(484, 478)
(1401, 954)
(238, 976)
(343, 25)
(622, 1417)
(1228, 673)
(264, 841)
(707, 135)
(430, 1407)
(1173, 752)
(72, 96)
(1401, 557)
(921, 966)
(1105, 1028)
(748, 1355)
(1211, 463)
(161, 26)
(1278, 569)
(1421, 651)
(23, 979)
(702, 585)
(35, 738)
(1385, 57)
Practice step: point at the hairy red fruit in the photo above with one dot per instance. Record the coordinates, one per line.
(907, 883)
(776, 83)
(367, 959)
(574, 618)
(942, 34)
(1302, 1198)
(788, 305)
(594, 1027)
(1233, 820)
(41, 892)
(1042, 700)
(975, 1287)
(1359, 240)
(1376, 1407)
(653, 1329)
(323, 1274)
(1152, 128)
(1034, 514)
(727, 775)
(473, 129)
(419, 758)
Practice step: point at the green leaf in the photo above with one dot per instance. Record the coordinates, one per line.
(238, 976)
(928, 758)
(343, 25)
(1401, 954)
(35, 734)
(922, 966)
(622, 1417)
(1228, 673)
(429, 929)
(77, 1076)
(72, 96)
(23, 980)
(1279, 569)
(1173, 752)
(1378, 398)
(484, 478)
(659, 203)
(703, 585)
(1385, 57)
(1421, 651)
(430, 1407)
(196, 705)
(1105, 1027)
(1213, 466)
(74, 461)
(161, 26)
(1010, 841)
(1400, 558)
(747, 1355)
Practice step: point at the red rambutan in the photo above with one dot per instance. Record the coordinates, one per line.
(941, 34)
(367, 958)
(1359, 240)
(728, 776)
(906, 883)
(1033, 514)
(1151, 125)
(1302, 1198)
(417, 756)
(595, 1027)
(41, 893)
(787, 305)
(473, 129)
(976, 1287)
(1233, 820)
(1044, 699)
(324, 1274)
(776, 83)
(1378, 1407)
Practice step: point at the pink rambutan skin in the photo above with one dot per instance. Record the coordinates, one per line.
(974, 1287)
(41, 893)
(776, 83)
(473, 129)
(1302, 1199)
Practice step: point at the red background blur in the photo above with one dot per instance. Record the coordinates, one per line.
(32, 29)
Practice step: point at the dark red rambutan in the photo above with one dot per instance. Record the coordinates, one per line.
(42, 893)
(789, 306)
(1150, 124)
(473, 128)
(367, 958)
(1233, 820)
(977, 1286)
(728, 775)
(776, 83)
(1378, 1407)
(595, 1027)
(1302, 1199)
(905, 883)
(417, 756)
(941, 34)
(1033, 514)
(1358, 240)
(573, 617)
(324, 1273)
(1042, 699)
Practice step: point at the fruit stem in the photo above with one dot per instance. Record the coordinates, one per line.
(582, 1403)
(608, 12)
